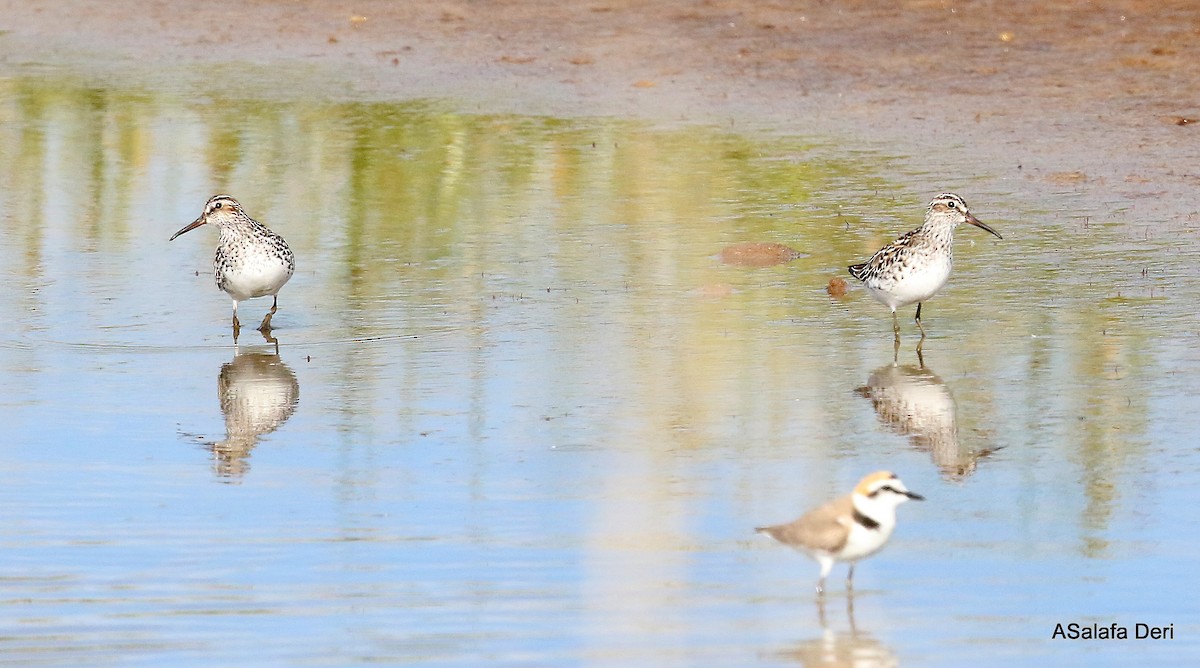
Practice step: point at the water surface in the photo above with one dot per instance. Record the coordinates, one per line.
(519, 411)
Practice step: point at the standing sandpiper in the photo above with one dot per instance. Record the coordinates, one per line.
(849, 528)
(251, 260)
(914, 267)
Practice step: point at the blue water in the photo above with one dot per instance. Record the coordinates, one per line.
(520, 413)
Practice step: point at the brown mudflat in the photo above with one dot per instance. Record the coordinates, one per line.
(1033, 101)
(755, 254)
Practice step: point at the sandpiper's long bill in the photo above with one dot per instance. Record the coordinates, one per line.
(190, 226)
(251, 260)
(847, 529)
(917, 265)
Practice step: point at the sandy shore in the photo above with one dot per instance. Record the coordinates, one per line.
(1091, 102)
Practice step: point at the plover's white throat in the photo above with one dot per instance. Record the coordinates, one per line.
(847, 529)
(914, 267)
(251, 260)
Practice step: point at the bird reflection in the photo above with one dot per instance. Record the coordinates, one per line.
(258, 393)
(914, 401)
(852, 649)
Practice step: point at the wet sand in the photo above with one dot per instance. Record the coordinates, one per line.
(1065, 101)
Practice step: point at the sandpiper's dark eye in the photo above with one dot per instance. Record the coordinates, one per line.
(218, 205)
(952, 205)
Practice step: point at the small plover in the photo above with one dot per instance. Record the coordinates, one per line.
(849, 528)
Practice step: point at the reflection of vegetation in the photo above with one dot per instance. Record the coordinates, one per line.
(409, 211)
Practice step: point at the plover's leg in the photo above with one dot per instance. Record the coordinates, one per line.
(896, 327)
(826, 562)
(237, 326)
(850, 579)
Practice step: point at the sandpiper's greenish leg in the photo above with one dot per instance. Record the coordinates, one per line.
(920, 327)
(266, 321)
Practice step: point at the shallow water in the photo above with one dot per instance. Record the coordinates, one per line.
(520, 411)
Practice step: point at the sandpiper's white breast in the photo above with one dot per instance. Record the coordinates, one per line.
(253, 271)
(916, 279)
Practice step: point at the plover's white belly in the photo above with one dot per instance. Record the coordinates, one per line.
(864, 542)
(914, 281)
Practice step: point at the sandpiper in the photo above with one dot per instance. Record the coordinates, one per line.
(251, 260)
(914, 267)
(849, 528)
